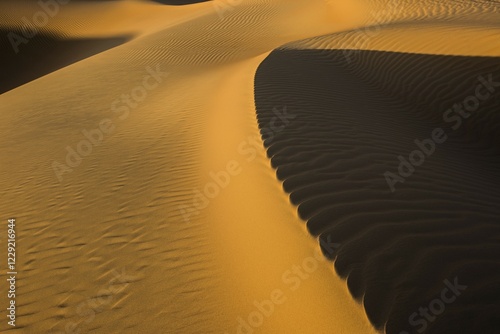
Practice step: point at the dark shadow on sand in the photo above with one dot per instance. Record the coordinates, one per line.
(353, 120)
(43, 54)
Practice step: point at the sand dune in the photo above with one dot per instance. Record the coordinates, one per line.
(396, 247)
(45, 53)
(430, 27)
(162, 160)
(119, 208)
(86, 18)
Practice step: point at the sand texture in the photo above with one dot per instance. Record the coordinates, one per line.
(221, 166)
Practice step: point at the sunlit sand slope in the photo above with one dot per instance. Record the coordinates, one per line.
(434, 221)
(107, 155)
(458, 27)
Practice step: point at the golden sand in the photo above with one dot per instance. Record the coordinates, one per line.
(109, 248)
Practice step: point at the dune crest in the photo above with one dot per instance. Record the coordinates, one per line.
(113, 149)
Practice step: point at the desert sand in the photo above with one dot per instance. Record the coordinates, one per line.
(197, 168)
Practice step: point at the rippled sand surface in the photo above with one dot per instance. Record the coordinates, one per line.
(218, 167)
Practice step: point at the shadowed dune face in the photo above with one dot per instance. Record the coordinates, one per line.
(23, 60)
(397, 249)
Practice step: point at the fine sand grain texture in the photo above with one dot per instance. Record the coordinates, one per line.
(196, 166)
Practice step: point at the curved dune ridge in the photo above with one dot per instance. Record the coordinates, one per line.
(106, 245)
(458, 27)
(396, 248)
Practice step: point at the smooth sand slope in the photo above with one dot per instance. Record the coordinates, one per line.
(107, 248)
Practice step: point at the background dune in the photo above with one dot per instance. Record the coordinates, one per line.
(453, 27)
(44, 54)
(179, 2)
